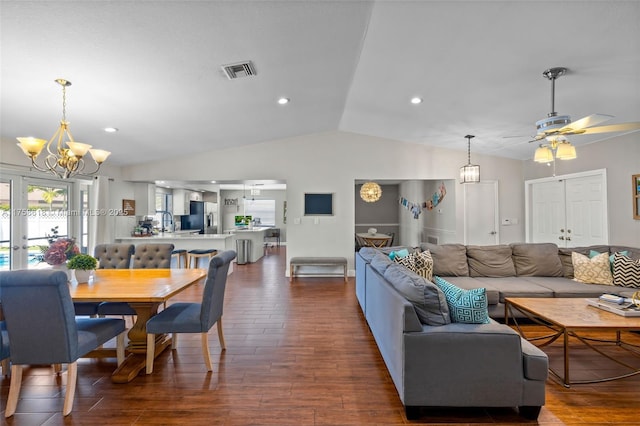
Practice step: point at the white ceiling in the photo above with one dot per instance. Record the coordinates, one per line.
(152, 69)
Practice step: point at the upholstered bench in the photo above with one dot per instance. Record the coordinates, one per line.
(316, 261)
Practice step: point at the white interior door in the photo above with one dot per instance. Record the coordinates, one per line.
(548, 212)
(569, 211)
(481, 213)
(586, 211)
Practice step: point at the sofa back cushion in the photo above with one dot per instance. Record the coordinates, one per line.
(380, 262)
(427, 299)
(536, 260)
(490, 261)
(449, 260)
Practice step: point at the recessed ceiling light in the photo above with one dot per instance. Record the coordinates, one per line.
(213, 181)
(416, 100)
(110, 129)
(283, 101)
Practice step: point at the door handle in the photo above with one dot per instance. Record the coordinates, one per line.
(568, 238)
(562, 230)
(15, 247)
(493, 232)
(25, 246)
(561, 238)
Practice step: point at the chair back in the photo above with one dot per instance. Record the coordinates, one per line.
(4, 342)
(213, 294)
(153, 256)
(114, 256)
(39, 316)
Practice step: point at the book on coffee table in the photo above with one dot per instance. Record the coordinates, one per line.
(625, 309)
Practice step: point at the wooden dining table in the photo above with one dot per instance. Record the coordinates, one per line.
(374, 240)
(144, 290)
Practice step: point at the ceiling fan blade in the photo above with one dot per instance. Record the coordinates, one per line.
(583, 123)
(622, 127)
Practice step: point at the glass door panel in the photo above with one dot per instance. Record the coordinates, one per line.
(47, 215)
(5, 225)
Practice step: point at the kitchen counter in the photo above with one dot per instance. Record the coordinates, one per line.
(187, 241)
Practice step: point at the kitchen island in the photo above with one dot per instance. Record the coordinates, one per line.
(185, 241)
(191, 241)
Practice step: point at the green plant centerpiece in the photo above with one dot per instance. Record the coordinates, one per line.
(82, 261)
(82, 265)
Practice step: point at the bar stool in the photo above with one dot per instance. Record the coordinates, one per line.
(180, 254)
(198, 253)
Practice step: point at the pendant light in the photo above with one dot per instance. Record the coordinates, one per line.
(370, 192)
(471, 172)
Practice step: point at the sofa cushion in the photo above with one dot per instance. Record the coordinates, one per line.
(536, 259)
(468, 283)
(626, 271)
(398, 253)
(515, 287)
(565, 287)
(419, 262)
(593, 270)
(380, 262)
(427, 299)
(632, 252)
(490, 261)
(449, 260)
(565, 257)
(465, 306)
(593, 253)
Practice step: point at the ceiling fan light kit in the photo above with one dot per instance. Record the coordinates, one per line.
(555, 127)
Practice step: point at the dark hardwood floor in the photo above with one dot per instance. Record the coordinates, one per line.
(298, 354)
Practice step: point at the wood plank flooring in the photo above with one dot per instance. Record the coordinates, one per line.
(297, 354)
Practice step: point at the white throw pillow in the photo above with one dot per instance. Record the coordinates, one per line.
(592, 271)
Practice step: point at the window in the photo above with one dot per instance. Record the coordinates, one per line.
(264, 210)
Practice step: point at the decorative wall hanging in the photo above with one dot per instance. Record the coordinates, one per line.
(436, 198)
(414, 208)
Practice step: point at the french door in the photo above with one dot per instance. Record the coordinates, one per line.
(34, 211)
(570, 210)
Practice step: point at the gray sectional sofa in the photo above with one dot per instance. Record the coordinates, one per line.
(436, 363)
(519, 270)
(448, 365)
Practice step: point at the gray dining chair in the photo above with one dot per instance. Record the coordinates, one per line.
(114, 256)
(153, 256)
(43, 328)
(183, 317)
(4, 348)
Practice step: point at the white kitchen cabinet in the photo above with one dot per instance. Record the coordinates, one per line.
(181, 199)
(145, 196)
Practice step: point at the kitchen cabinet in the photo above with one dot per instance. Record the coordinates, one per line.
(145, 196)
(181, 199)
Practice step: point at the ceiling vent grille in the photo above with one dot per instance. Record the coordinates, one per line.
(241, 69)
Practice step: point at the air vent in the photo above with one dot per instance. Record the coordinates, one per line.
(241, 69)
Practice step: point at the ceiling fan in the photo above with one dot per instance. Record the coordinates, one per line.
(556, 126)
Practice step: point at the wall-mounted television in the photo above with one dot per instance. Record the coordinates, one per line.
(318, 204)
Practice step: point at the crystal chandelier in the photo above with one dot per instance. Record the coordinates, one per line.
(370, 192)
(471, 172)
(64, 158)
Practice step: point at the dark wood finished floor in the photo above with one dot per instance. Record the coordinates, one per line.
(298, 354)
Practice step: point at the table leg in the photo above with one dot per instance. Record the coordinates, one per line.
(137, 347)
(566, 380)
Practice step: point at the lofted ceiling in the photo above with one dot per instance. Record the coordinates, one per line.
(152, 69)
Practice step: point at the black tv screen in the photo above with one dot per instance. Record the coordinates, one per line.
(318, 204)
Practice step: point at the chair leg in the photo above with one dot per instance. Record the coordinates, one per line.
(57, 368)
(14, 390)
(174, 341)
(220, 334)
(205, 351)
(4, 364)
(120, 347)
(72, 375)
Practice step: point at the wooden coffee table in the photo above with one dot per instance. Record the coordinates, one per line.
(569, 316)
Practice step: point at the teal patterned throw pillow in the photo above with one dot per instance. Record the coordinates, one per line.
(465, 306)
